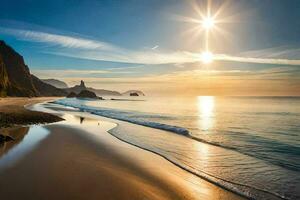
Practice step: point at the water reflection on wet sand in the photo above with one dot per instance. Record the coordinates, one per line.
(17, 133)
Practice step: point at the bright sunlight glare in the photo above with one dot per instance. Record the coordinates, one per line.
(207, 57)
(208, 23)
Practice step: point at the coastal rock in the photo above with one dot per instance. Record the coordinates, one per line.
(72, 95)
(84, 94)
(101, 92)
(15, 77)
(56, 83)
(87, 94)
(134, 94)
(82, 85)
(77, 88)
(46, 89)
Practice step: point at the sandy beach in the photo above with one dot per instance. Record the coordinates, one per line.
(79, 159)
(12, 112)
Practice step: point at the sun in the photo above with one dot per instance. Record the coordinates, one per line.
(207, 57)
(208, 23)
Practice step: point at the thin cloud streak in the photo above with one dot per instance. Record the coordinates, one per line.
(97, 50)
(275, 61)
(62, 73)
(57, 39)
(79, 47)
(287, 52)
(134, 57)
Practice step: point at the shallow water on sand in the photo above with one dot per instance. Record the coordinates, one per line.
(26, 139)
(249, 145)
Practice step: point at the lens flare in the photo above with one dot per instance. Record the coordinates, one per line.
(208, 23)
(207, 57)
(208, 20)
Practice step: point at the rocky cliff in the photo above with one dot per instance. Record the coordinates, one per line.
(56, 83)
(15, 77)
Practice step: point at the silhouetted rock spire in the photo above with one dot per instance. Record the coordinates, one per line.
(82, 84)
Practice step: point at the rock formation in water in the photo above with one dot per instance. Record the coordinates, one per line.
(71, 95)
(84, 94)
(133, 93)
(101, 92)
(87, 94)
(77, 88)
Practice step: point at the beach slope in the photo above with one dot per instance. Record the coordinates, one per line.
(79, 159)
(12, 112)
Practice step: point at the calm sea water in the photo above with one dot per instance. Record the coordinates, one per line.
(250, 145)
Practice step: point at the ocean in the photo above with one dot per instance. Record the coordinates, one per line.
(249, 145)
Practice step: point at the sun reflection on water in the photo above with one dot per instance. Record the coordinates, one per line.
(206, 105)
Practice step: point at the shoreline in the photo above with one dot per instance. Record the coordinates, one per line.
(177, 165)
(13, 112)
(87, 148)
(241, 195)
(230, 186)
(120, 123)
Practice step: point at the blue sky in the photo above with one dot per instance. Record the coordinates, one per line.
(115, 41)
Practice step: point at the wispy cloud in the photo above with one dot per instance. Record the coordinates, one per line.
(275, 61)
(135, 57)
(63, 73)
(79, 47)
(84, 48)
(126, 68)
(57, 39)
(288, 52)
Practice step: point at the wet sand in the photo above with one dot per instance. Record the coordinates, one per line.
(12, 112)
(79, 160)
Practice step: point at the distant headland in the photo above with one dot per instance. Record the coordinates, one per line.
(17, 81)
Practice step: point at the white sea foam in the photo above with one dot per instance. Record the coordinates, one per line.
(237, 166)
(132, 117)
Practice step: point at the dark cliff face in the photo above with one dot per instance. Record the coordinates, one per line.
(46, 89)
(15, 77)
(4, 82)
